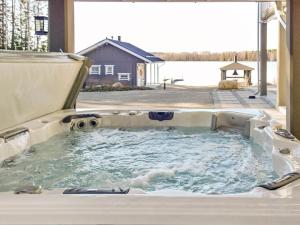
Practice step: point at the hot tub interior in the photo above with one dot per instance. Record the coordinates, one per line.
(193, 159)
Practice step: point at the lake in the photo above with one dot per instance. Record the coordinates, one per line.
(207, 73)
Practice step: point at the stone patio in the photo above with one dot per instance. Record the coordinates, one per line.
(240, 99)
(182, 97)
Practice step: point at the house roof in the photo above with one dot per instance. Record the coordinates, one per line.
(236, 66)
(127, 47)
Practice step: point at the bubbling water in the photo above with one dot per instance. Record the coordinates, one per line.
(152, 159)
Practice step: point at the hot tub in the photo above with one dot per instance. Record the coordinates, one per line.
(29, 123)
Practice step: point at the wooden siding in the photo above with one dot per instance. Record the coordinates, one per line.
(110, 55)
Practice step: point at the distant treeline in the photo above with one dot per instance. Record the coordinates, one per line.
(214, 56)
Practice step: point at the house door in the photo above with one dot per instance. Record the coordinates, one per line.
(140, 74)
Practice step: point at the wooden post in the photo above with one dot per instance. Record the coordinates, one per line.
(282, 72)
(145, 74)
(263, 58)
(246, 80)
(154, 73)
(61, 25)
(293, 44)
(250, 79)
(223, 74)
(157, 73)
(150, 64)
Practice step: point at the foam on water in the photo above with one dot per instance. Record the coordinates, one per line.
(143, 180)
(181, 159)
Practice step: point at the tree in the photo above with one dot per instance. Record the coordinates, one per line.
(17, 25)
(3, 24)
(13, 26)
(24, 24)
(213, 56)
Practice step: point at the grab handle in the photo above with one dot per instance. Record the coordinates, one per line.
(284, 180)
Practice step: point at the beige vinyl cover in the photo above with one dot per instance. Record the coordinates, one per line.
(33, 85)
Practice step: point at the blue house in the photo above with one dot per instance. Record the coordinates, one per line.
(117, 61)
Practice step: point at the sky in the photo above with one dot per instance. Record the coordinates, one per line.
(172, 27)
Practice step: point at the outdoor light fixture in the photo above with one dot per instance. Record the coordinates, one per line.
(235, 73)
(41, 25)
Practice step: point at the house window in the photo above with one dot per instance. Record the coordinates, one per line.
(95, 69)
(124, 76)
(109, 69)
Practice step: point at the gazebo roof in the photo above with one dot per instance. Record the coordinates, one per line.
(236, 66)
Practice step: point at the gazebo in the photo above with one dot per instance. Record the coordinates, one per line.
(235, 66)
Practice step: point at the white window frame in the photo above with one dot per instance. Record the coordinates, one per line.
(107, 72)
(97, 72)
(124, 79)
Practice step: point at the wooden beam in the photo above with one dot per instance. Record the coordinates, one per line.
(293, 44)
(61, 26)
(282, 70)
(263, 27)
(69, 26)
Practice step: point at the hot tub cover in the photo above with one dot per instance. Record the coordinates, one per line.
(36, 84)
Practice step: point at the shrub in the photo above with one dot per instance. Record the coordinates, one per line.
(105, 88)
